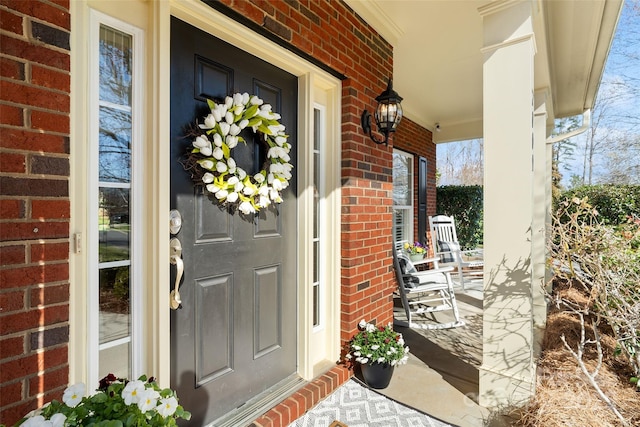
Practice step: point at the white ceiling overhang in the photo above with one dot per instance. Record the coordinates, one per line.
(438, 61)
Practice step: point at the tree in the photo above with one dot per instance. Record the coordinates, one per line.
(461, 163)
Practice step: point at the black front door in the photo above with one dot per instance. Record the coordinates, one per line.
(235, 335)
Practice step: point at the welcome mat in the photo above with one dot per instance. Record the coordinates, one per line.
(355, 405)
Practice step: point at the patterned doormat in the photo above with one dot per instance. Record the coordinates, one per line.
(356, 405)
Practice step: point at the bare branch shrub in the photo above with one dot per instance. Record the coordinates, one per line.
(604, 261)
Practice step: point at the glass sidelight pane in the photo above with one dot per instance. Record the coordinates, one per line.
(115, 360)
(115, 313)
(115, 66)
(114, 140)
(115, 145)
(113, 223)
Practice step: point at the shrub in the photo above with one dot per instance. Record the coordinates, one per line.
(614, 203)
(464, 203)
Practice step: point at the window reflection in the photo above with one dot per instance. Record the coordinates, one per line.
(115, 145)
(113, 223)
(114, 304)
(115, 66)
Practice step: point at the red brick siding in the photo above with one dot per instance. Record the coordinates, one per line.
(34, 204)
(415, 139)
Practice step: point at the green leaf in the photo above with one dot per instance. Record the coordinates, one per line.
(225, 150)
(250, 112)
(254, 122)
(211, 104)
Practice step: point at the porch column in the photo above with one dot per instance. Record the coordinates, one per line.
(541, 208)
(507, 374)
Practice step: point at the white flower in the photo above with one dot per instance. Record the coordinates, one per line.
(248, 190)
(206, 151)
(57, 420)
(36, 421)
(209, 122)
(232, 197)
(375, 347)
(234, 129)
(240, 172)
(381, 359)
(280, 140)
(232, 141)
(275, 196)
(217, 114)
(73, 395)
(206, 164)
(200, 141)
(233, 180)
(217, 140)
(228, 117)
(221, 194)
(362, 324)
(238, 186)
(167, 406)
(277, 184)
(148, 399)
(207, 178)
(211, 188)
(274, 129)
(231, 163)
(259, 178)
(221, 167)
(246, 208)
(224, 128)
(237, 99)
(131, 392)
(243, 123)
(264, 202)
(228, 102)
(218, 154)
(256, 101)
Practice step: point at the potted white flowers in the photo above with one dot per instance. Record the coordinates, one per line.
(117, 402)
(378, 350)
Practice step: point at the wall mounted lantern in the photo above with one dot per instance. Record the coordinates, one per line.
(388, 114)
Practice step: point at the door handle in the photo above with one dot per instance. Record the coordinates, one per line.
(175, 258)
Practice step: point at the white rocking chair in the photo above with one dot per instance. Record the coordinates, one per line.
(423, 293)
(444, 241)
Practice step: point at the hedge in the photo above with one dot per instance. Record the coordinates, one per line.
(464, 203)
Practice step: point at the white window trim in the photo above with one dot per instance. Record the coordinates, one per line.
(137, 291)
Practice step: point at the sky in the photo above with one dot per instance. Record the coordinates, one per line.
(622, 70)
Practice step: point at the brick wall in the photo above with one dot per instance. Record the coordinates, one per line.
(34, 204)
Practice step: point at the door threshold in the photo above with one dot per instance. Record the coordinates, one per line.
(245, 414)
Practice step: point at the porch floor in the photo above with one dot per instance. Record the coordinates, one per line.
(441, 378)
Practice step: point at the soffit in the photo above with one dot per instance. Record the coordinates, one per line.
(438, 63)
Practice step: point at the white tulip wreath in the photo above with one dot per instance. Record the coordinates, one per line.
(219, 173)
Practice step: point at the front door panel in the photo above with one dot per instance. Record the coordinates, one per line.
(235, 335)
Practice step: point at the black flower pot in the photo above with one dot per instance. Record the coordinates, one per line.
(377, 375)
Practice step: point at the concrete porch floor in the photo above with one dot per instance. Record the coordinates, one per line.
(441, 377)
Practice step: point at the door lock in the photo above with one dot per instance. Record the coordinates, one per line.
(175, 221)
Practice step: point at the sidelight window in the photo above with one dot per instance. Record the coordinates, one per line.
(114, 188)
